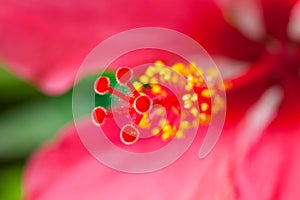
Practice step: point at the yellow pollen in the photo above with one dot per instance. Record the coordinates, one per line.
(160, 111)
(179, 134)
(167, 128)
(150, 71)
(204, 106)
(159, 73)
(185, 125)
(186, 97)
(153, 80)
(179, 68)
(191, 78)
(204, 118)
(188, 87)
(137, 85)
(195, 123)
(144, 79)
(159, 63)
(155, 131)
(194, 97)
(187, 104)
(194, 112)
(156, 89)
(165, 136)
(166, 73)
(205, 93)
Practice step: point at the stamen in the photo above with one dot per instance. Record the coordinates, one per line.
(199, 102)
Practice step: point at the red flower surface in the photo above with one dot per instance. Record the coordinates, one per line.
(257, 156)
(52, 39)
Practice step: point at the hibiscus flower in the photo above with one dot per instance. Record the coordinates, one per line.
(257, 155)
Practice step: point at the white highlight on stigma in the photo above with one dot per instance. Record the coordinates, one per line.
(258, 118)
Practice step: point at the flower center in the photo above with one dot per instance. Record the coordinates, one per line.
(165, 101)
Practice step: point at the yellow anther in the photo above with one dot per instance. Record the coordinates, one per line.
(167, 128)
(204, 118)
(194, 97)
(144, 79)
(166, 73)
(204, 106)
(188, 87)
(185, 125)
(153, 80)
(195, 123)
(167, 77)
(155, 131)
(137, 85)
(156, 89)
(160, 111)
(194, 112)
(191, 84)
(186, 97)
(179, 134)
(150, 71)
(205, 93)
(187, 104)
(179, 68)
(191, 78)
(159, 63)
(165, 136)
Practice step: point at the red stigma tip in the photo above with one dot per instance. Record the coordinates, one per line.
(123, 75)
(142, 104)
(102, 85)
(129, 134)
(98, 115)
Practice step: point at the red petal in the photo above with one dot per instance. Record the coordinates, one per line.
(45, 42)
(276, 16)
(218, 36)
(65, 170)
(270, 169)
